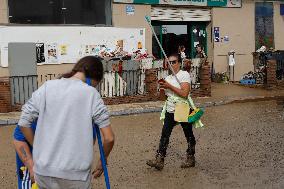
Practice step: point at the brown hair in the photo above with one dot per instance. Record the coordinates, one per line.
(91, 66)
(177, 55)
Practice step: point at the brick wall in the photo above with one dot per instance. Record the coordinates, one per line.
(205, 82)
(272, 82)
(271, 74)
(5, 95)
(151, 81)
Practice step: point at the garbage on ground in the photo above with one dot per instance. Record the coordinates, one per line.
(252, 78)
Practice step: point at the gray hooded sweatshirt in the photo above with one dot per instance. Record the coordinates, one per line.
(63, 143)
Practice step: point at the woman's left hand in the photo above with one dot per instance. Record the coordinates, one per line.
(98, 170)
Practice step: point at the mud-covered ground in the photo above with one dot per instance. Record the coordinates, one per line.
(242, 146)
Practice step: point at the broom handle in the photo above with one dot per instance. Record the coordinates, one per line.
(148, 19)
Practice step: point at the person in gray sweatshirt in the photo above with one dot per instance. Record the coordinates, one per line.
(66, 110)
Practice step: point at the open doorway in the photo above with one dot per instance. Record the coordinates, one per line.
(175, 34)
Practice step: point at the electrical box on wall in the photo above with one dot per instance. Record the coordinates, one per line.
(282, 9)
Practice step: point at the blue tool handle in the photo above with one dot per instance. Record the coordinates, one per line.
(97, 130)
(101, 148)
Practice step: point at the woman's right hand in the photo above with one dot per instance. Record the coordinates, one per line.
(165, 85)
(161, 81)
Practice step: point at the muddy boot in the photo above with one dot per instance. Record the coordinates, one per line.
(157, 163)
(189, 162)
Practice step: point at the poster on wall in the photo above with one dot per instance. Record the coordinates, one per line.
(63, 50)
(52, 56)
(40, 57)
(216, 34)
(63, 53)
(226, 39)
(66, 54)
(130, 10)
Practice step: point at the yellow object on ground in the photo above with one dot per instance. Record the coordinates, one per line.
(35, 186)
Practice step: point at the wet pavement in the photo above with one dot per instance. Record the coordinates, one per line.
(240, 147)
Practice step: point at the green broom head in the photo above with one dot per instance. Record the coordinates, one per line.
(195, 115)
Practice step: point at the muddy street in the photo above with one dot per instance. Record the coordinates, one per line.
(240, 147)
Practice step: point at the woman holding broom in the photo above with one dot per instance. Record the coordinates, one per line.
(176, 93)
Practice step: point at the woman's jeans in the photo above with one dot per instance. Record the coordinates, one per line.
(169, 124)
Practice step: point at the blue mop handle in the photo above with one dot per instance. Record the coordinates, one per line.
(101, 148)
(97, 130)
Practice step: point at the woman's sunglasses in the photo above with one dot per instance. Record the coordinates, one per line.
(173, 62)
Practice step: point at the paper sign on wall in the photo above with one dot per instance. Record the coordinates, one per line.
(40, 57)
(63, 50)
(226, 39)
(216, 34)
(130, 10)
(52, 56)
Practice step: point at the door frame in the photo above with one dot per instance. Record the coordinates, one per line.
(190, 26)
